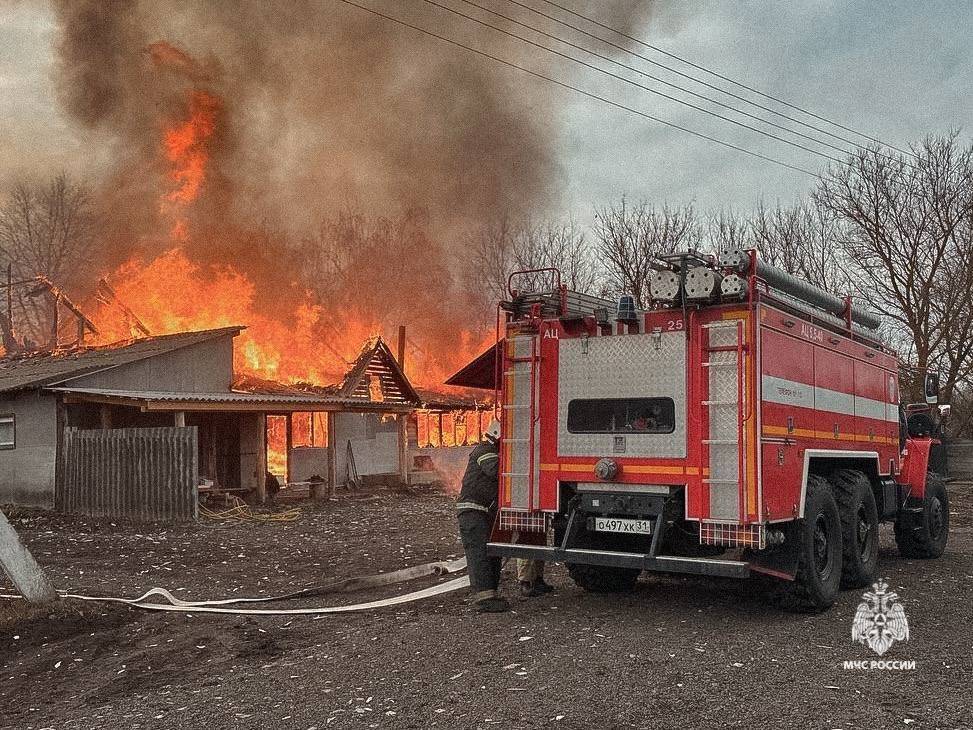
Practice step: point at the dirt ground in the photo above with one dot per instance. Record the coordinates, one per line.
(678, 652)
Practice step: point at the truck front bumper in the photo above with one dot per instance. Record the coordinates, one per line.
(608, 558)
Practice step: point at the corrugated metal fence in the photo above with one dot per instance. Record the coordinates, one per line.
(132, 473)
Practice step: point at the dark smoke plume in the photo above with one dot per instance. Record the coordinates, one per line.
(322, 108)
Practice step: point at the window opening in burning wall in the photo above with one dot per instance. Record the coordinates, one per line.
(309, 429)
(435, 429)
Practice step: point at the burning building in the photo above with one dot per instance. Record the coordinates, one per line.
(139, 428)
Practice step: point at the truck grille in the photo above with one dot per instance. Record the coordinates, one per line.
(730, 534)
(523, 521)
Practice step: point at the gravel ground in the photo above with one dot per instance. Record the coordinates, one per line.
(678, 652)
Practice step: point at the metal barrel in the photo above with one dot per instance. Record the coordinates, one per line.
(791, 285)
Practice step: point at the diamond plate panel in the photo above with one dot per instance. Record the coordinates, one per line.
(623, 366)
(723, 463)
(723, 423)
(723, 336)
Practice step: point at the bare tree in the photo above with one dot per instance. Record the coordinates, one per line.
(561, 246)
(46, 230)
(730, 231)
(503, 247)
(630, 237)
(802, 241)
(905, 228)
(491, 259)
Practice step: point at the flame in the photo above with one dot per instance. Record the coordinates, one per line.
(186, 147)
(311, 343)
(314, 344)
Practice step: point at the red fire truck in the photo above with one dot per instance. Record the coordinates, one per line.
(745, 422)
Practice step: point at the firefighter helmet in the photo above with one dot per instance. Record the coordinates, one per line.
(493, 431)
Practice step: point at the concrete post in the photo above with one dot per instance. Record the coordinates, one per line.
(289, 446)
(332, 456)
(314, 491)
(21, 567)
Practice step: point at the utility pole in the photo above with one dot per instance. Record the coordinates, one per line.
(404, 471)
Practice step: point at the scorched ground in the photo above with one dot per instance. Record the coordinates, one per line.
(678, 652)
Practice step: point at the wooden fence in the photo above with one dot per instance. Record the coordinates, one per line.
(142, 474)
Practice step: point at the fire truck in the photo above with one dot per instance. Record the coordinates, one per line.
(745, 422)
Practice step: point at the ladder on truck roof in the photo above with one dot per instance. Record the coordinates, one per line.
(520, 443)
(725, 351)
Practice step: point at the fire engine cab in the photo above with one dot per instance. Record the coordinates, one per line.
(745, 422)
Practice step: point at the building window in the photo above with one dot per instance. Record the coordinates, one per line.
(8, 432)
(622, 415)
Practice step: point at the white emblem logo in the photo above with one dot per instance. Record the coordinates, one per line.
(880, 619)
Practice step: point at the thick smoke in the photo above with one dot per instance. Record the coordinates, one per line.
(322, 108)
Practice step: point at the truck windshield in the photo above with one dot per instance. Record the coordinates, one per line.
(622, 415)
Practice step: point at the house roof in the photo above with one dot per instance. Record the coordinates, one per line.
(376, 366)
(37, 370)
(148, 400)
(374, 378)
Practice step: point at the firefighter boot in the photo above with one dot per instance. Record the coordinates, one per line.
(535, 588)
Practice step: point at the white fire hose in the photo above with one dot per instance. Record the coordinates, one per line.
(371, 581)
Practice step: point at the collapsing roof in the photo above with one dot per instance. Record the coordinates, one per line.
(374, 383)
(374, 377)
(37, 370)
(377, 366)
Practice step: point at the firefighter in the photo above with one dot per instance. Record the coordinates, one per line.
(530, 575)
(476, 510)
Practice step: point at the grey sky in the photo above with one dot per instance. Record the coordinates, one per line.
(897, 70)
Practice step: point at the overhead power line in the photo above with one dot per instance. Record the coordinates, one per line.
(636, 84)
(647, 75)
(727, 79)
(576, 89)
(699, 81)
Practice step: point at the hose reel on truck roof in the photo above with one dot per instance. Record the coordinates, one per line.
(739, 262)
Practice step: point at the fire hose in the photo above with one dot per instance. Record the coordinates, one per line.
(171, 603)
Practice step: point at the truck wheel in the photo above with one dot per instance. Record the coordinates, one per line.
(818, 577)
(859, 527)
(926, 537)
(600, 579)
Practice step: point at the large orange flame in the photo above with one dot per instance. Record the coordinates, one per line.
(186, 150)
(173, 293)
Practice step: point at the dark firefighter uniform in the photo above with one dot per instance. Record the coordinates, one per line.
(477, 509)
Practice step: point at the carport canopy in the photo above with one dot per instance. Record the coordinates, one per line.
(227, 401)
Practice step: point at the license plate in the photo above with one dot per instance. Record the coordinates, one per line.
(619, 524)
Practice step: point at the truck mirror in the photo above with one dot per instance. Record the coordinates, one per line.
(932, 388)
